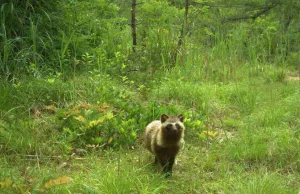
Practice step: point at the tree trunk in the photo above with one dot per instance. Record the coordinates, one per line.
(180, 41)
(183, 29)
(133, 24)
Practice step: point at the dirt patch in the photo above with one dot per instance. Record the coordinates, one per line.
(293, 76)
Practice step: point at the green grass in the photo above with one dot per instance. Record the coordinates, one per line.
(255, 151)
(74, 99)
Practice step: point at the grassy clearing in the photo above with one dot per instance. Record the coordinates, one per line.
(74, 99)
(255, 149)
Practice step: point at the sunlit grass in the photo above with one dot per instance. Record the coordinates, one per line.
(257, 142)
(231, 83)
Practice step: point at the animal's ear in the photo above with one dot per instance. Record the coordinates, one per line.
(181, 117)
(163, 118)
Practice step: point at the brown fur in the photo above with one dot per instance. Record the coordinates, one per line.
(163, 137)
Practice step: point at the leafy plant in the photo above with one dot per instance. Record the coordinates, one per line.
(97, 124)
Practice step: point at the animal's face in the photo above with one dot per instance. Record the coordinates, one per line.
(172, 125)
(174, 128)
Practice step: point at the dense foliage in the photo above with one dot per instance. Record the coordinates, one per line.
(38, 36)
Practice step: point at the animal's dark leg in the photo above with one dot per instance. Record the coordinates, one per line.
(164, 162)
(169, 166)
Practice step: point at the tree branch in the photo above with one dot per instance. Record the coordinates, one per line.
(253, 17)
(241, 5)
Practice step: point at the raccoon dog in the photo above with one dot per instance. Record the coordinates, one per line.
(163, 138)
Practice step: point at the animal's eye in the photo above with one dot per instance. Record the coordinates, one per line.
(178, 126)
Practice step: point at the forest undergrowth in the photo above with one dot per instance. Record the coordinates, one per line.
(76, 95)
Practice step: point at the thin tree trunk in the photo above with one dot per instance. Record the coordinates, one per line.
(180, 41)
(133, 24)
(183, 29)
